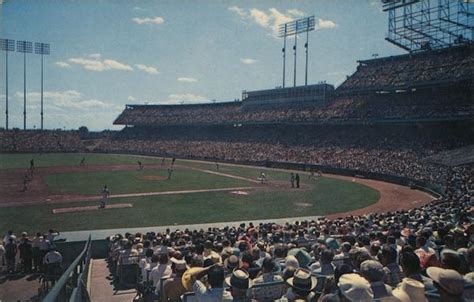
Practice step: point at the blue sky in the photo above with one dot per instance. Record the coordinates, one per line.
(105, 54)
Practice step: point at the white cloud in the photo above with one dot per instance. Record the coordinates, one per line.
(270, 19)
(95, 56)
(155, 20)
(273, 18)
(147, 69)
(295, 12)
(131, 98)
(186, 79)
(66, 100)
(185, 98)
(62, 64)
(239, 11)
(325, 24)
(259, 17)
(277, 19)
(248, 61)
(94, 63)
(137, 8)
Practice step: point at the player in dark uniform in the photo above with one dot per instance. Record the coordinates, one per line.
(292, 179)
(83, 162)
(105, 196)
(140, 166)
(170, 171)
(25, 182)
(297, 178)
(32, 166)
(172, 161)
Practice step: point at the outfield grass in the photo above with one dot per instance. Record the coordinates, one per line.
(121, 182)
(323, 196)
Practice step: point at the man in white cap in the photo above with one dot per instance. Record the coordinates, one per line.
(450, 284)
(353, 287)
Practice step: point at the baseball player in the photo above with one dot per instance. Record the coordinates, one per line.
(105, 196)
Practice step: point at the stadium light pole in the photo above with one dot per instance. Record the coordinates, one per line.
(294, 28)
(294, 52)
(24, 47)
(284, 54)
(42, 49)
(6, 45)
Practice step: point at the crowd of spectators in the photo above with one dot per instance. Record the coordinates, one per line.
(441, 104)
(31, 254)
(411, 70)
(40, 141)
(393, 150)
(407, 255)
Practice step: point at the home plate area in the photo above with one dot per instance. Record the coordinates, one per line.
(92, 208)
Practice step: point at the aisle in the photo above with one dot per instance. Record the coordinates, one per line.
(102, 287)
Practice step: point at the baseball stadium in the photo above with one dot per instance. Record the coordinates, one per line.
(357, 189)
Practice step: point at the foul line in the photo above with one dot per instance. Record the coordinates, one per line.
(177, 192)
(223, 174)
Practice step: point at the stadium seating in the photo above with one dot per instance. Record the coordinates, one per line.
(440, 230)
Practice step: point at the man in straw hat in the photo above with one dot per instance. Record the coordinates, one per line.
(410, 290)
(302, 285)
(450, 284)
(173, 287)
(353, 287)
(239, 283)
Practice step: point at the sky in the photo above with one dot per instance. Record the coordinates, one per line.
(108, 53)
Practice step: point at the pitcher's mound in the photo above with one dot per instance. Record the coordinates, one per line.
(91, 208)
(153, 177)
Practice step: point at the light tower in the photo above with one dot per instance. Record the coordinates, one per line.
(304, 25)
(24, 47)
(6, 45)
(42, 49)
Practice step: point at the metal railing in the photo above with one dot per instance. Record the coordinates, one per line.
(72, 285)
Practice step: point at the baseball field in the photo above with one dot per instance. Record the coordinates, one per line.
(61, 193)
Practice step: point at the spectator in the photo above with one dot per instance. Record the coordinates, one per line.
(173, 287)
(239, 283)
(410, 290)
(162, 270)
(10, 255)
(215, 292)
(353, 287)
(393, 271)
(301, 286)
(53, 261)
(449, 283)
(373, 271)
(26, 252)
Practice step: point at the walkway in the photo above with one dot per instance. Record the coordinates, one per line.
(102, 287)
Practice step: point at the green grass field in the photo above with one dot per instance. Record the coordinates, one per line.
(320, 197)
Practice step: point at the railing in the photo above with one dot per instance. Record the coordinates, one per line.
(72, 285)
